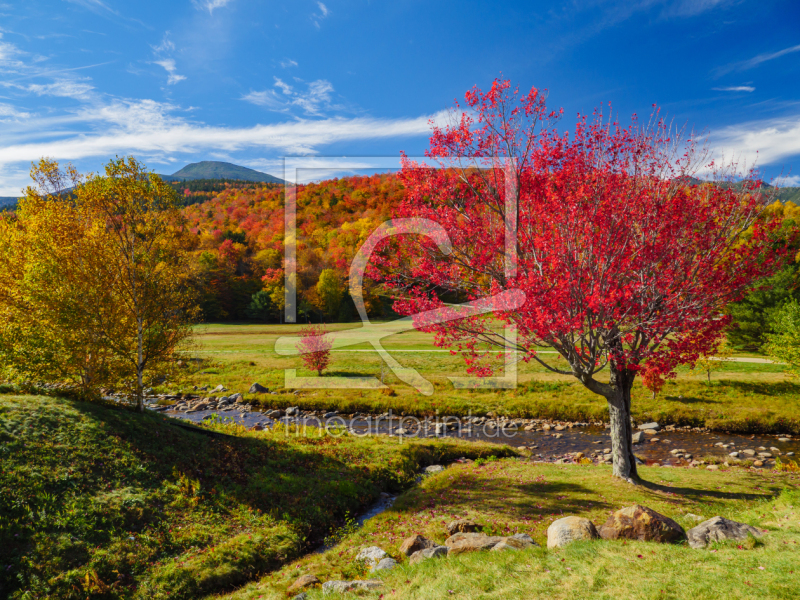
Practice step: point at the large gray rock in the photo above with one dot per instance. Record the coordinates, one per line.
(257, 388)
(638, 437)
(428, 553)
(570, 529)
(718, 529)
(645, 426)
(340, 587)
(292, 411)
(518, 541)
(384, 565)
(434, 469)
(372, 555)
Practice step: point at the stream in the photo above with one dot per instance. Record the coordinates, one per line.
(549, 445)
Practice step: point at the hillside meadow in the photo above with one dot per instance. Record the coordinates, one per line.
(741, 397)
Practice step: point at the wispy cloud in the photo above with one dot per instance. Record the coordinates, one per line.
(150, 128)
(735, 88)
(787, 181)
(288, 63)
(313, 101)
(210, 5)
(171, 69)
(765, 142)
(63, 88)
(10, 113)
(756, 60)
(162, 52)
(323, 13)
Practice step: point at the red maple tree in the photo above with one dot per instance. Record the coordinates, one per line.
(315, 348)
(624, 261)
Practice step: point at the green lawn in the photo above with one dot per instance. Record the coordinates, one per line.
(511, 496)
(102, 502)
(742, 397)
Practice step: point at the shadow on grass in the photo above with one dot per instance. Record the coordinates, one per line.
(692, 400)
(698, 494)
(780, 388)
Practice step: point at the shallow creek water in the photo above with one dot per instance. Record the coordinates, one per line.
(545, 445)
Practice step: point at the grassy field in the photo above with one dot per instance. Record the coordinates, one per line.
(742, 396)
(510, 496)
(100, 502)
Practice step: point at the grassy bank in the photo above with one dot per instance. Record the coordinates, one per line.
(102, 502)
(510, 496)
(742, 397)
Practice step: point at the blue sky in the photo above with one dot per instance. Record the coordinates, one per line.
(251, 81)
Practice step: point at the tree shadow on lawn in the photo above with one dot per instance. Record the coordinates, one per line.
(678, 493)
(692, 400)
(765, 388)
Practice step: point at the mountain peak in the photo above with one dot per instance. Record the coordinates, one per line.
(212, 169)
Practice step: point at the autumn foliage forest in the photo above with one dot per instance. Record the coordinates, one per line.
(239, 246)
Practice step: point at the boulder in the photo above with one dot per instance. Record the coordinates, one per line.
(638, 437)
(717, 529)
(428, 553)
(384, 565)
(570, 529)
(293, 411)
(372, 555)
(641, 523)
(302, 583)
(434, 469)
(416, 543)
(301, 596)
(275, 413)
(471, 542)
(462, 526)
(646, 426)
(257, 388)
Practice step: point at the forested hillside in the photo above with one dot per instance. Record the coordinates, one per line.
(240, 232)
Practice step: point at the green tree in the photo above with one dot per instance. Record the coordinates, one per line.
(329, 291)
(784, 343)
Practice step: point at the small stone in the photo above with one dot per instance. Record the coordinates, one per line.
(712, 467)
(749, 452)
(471, 542)
(734, 454)
(655, 439)
(784, 439)
(303, 582)
(677, 451)
(434, 469)
(758, 463)
(765, 455)
(790, 454)
(646, 426)
(428, 553)
(340, 587)
(693, 517)
(462, 526)
(570, 529)
(415, 543)
(293, 411)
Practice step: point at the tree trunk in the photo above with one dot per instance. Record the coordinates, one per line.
(619, 409)
(139, 369)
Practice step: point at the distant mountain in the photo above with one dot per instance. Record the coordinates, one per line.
(212, 169)
(8, 202)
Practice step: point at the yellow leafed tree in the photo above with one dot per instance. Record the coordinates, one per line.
(96, 288)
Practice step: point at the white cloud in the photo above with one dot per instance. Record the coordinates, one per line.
(787, 181)
(312, 101)
(148, 128)
(767, 142)
(63, 88)
(210, 5)
(756, 60)
(288, 63)
(10, 113)
(171, 69)
(690, 8)
(323, 13)
(165, 46)
(735, 88)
